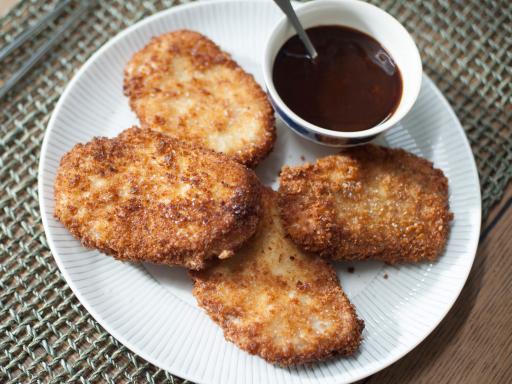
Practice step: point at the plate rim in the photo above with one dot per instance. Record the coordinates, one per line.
(118, 335)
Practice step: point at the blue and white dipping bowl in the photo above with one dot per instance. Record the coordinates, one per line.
(363, 17)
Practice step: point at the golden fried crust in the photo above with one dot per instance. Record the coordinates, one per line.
(369, 202)
(275, 301)
(144, 196)
(182, 84)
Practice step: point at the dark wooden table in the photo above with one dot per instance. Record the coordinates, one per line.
(473, 344)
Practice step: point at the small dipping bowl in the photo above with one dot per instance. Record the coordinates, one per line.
(366, 18)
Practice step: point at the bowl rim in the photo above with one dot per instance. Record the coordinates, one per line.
(397, 115)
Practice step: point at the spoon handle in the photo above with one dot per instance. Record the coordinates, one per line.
(288, 10)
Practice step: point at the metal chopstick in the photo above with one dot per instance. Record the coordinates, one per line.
(41, 51)
(33, 30)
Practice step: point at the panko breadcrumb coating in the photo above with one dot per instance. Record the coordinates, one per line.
(368, 202)
(273, 300)
(182, 84)
(144, 196)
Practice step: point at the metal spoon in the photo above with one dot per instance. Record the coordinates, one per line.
(288, 10)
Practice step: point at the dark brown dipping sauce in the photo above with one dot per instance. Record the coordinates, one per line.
(352, 85)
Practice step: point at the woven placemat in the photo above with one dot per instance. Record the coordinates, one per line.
(45, 333)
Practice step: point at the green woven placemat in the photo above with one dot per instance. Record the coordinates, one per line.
(45, 333)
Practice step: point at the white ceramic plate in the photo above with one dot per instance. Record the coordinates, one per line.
(150, 308)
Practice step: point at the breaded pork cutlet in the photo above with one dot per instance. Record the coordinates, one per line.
(369, 202)
(144, 196)
(275, 301)
(182, 84)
